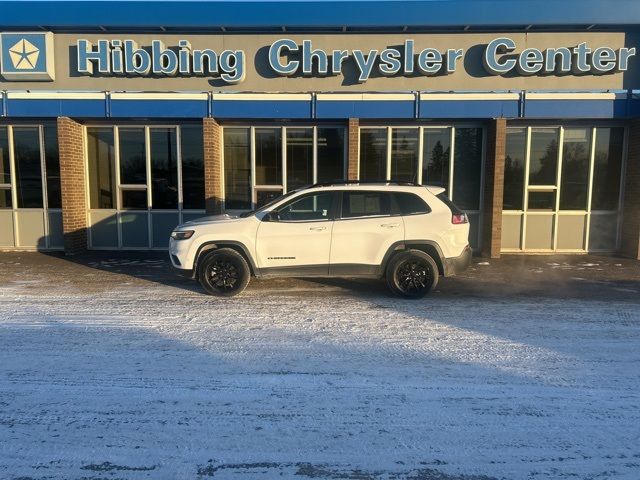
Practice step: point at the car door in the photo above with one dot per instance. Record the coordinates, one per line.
(298, 234)
(364, 230)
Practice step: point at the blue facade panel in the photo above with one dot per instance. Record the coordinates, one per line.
(19, 107)
(159, 108)
(365, 109)
(261, 109)
(469, 108)
(576, 108)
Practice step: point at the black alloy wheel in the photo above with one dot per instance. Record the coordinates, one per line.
(223, 272)
(412, 274)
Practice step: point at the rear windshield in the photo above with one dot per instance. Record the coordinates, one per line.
(452, 206)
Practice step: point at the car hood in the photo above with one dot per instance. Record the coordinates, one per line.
(225, 218)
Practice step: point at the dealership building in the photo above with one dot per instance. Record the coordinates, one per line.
(121, 119)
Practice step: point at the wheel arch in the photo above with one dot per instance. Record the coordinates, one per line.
(215, 245)
(429, 247)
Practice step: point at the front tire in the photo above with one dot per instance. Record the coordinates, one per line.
(412, 274)
(223, 272)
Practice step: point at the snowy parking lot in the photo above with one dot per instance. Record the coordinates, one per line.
(111, 368)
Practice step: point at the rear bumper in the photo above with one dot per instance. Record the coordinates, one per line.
(456, 265)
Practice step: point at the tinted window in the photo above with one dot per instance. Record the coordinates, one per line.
(515, 155)
(607, 168)
(237, 169)
(411, 204)
(365, 204)
(373, 154)
(330, 154)
(133, 164)
(52, 161)
(467, 167)
(164, 167)
(307, 208)
(299, 157)
(102, 177)
(26, 147)
(574, 187)
(192, 151)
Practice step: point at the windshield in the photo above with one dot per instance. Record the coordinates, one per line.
(267, 205)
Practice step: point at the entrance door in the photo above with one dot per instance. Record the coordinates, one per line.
(298, 234)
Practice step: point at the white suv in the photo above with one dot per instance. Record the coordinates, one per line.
(407, 233)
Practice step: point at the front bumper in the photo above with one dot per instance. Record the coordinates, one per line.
(456, 265)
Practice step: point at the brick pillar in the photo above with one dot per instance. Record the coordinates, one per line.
(212, 166)
(72, 183)
(493, 188)
(630, 239)
(354, 149)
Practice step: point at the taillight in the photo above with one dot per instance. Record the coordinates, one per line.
(459, 219)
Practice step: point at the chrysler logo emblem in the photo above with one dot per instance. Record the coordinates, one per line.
(24, 55)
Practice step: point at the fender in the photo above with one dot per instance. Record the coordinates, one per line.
(212, 245)
(404, 245)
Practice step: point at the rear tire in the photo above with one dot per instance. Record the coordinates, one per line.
(412, 274)
(223, 272)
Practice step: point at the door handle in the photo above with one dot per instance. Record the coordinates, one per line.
(390, 225)
(317, 229)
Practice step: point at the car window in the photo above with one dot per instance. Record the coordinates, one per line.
(411, 204)
(365, 204)
(307, 208)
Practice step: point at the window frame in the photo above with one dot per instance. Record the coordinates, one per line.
(118, 209)
(282, 186)
(588, 212)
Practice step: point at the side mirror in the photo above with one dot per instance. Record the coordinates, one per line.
(271, 216)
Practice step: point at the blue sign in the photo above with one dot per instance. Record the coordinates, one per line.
(27, 56)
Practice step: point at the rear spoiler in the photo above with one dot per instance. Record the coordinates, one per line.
(435, 190)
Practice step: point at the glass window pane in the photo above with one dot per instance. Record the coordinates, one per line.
(5, 169)
(404, 154)
(265, 196)
(164, 168)
(5, 198)
(365, 204)
(26, 148)
(192, 151)
(237, 169)
(52, 162)
(411, 204)
(467, 168)
(574, 182)
(331, 147)
(542, 201)
(436, 153)
(101, 157)
(134, 199)
(309, 208)
(543, 161)
(268, 156)
(607, 168)
(515, 157)
(373, 154)
(299, 157)
(133, 170)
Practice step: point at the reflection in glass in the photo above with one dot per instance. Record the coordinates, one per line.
(192, 152)
(5, 169)
(299, 157)
(134, 199)
(542, 201)
(543, 161)
(268, 156)
(331, 147)
(404, 154)
(237, 169)
(309, 208)
(436, 157)
(373, 154)
(5, 198)
(467, 168)
(101, 158)
(164, 168)
(26, 148)
(133, 170)
(515, 157)
(574, 181)
(607, 168)
(265, 196)
(52, 163)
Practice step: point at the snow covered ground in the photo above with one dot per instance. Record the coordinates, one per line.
(106, 376)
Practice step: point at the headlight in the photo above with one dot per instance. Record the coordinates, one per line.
(182, 234)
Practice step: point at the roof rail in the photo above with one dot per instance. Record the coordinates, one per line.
(365, 182)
